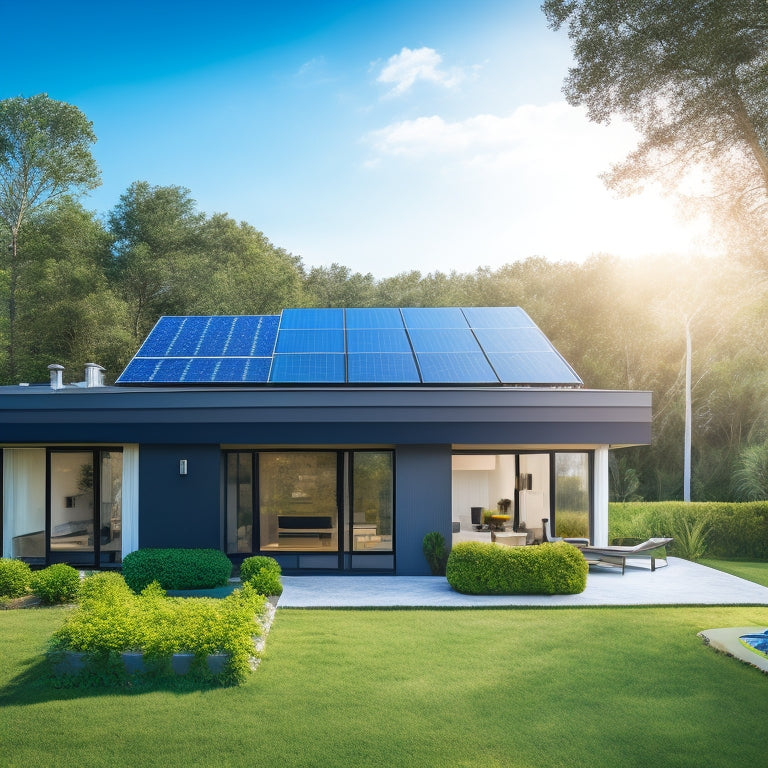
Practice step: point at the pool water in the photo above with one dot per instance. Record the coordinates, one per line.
(758, 641)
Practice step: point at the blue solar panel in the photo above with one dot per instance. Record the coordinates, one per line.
(533, 368)
(512, 340)
(253, 336)
(188, 337)
(389, 340)
(311, 369)
(138, 371)
(360, 345)
(497, 317)
(446, 340)
(160, 337)
(456, 368)
(322, 341)
(315, 319)
(434, 317)
(382, 369)
(381, 317)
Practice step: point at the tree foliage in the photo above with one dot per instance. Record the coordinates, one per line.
(692, 78)
(45, 154)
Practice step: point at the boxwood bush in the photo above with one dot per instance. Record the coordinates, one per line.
(262, 574)
(15, 577)
(57, 583)
(737, 530)
(111, 619)
(477, 568)
(177, 568)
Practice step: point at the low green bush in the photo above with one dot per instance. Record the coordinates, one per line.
(477, 568)
(15, 577)
(731, 530)
(177, 568)
(262, 574)
(111, 619)
(58, 583)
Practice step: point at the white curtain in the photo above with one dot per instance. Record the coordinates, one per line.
(23, 494)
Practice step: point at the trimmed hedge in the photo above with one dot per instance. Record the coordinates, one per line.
(738, 530)
(15, 577)
(477, 568)
(177, 568)
(57, 583)
(111, 619)
(262, 573)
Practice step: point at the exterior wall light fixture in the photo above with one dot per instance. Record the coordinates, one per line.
(182, 466)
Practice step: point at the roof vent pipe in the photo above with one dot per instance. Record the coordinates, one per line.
(94, 375)
(57, 376)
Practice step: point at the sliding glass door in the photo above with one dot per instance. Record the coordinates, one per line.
(84, 506)
(329, 502)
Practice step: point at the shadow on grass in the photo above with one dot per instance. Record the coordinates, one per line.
(38, 682)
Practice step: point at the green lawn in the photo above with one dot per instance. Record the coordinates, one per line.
(752, 570)
(514, 687)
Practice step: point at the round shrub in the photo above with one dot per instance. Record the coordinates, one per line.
(57, 583)
(262, 574)
(252, 565)
(15, 577)
(476, 568)
(177, 568)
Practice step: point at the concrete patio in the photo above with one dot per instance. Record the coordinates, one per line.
(680, 583)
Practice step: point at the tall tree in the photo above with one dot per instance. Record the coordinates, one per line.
(692, 77)
(45, 154)
(159, 266)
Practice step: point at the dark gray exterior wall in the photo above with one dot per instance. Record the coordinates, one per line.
(422, 503)
(176, 510)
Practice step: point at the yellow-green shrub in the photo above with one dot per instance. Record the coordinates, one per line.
(15, 577)
(477, 568)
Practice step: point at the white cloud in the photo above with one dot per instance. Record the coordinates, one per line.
(406, 68)
(546, 135)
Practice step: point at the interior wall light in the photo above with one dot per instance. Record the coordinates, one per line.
(182, 466)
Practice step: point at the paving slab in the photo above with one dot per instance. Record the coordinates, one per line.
(681, 582)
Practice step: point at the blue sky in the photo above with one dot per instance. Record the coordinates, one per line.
(385, 136)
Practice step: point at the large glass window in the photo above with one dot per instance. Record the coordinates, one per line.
(298, 507)
(572, 494)
(310, 501)
(372, 501)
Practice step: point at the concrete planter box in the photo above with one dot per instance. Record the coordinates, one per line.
(71, 663)
(182, 662)
(133, 661)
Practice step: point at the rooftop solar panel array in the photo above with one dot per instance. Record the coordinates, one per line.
(436, 345)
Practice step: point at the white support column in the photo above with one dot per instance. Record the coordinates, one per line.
(601, 487)
(130, 498)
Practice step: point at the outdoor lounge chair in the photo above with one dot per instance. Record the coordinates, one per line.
(617, 556)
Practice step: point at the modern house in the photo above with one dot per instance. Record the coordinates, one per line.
(330, 439)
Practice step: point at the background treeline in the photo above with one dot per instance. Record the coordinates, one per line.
(88, 289)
